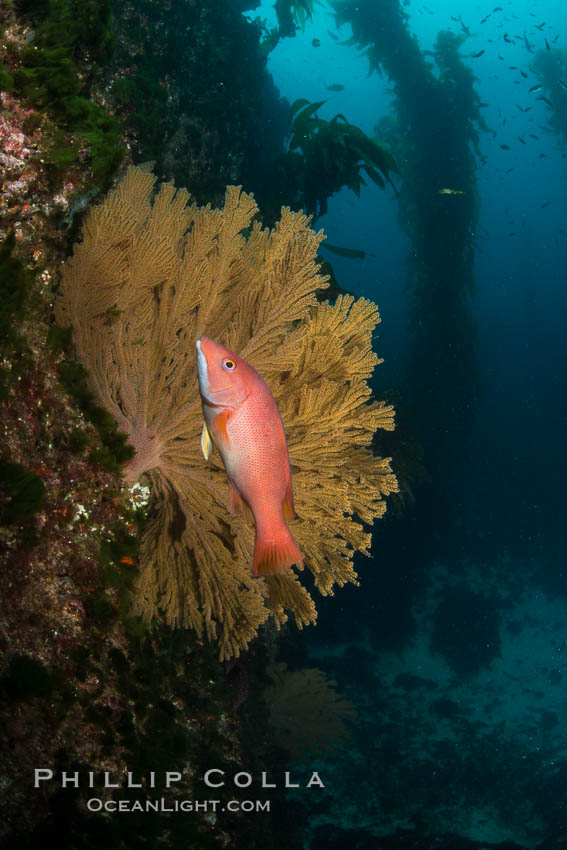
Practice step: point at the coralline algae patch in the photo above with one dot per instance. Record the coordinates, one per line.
(464, 734)
(45, 167)
(27, 199)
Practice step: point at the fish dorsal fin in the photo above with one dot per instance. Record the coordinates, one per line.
(206, 442)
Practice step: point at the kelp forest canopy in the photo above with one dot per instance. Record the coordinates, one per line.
(433, 137)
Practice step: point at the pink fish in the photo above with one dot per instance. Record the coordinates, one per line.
(243, 421)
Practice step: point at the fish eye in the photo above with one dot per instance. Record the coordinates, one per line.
(228, 365)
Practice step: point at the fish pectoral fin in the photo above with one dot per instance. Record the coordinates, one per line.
(235, 499)
(219, 429)
(287, 504)
(206, 442)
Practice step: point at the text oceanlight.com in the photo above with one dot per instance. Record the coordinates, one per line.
(95, 804)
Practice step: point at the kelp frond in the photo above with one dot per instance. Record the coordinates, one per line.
(324, 156)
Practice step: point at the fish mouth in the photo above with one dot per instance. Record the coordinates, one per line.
(207, 394)
(202, 369)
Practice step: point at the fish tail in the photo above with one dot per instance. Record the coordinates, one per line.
(275, 553)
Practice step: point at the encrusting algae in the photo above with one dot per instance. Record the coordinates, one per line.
(151, 276)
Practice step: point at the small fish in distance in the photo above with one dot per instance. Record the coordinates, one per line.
(476, 55)
(335, 87)
(243, 421)
(451, 192)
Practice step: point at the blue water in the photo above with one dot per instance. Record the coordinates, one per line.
(454, 651)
